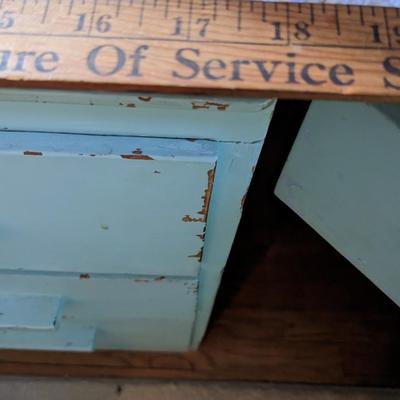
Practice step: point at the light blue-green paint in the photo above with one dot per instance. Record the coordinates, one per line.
(78, 339)
(120, 239)
(33, 312)
(127, 311)
(81, 207)
(343, 178)
(162, 116)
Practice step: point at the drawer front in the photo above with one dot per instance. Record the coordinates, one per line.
(102, 312)
(94, 204)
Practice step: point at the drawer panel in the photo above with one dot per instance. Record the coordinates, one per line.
(107, 312)
(100, 204)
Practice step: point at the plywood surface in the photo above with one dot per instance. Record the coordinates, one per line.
(290, 309)
(230, 46)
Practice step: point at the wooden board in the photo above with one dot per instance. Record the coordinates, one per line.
(230, 46)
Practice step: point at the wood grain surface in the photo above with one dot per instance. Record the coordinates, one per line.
(290, 308)
(197, 46)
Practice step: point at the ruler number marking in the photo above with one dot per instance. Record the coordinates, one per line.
(203, 25)
(102, 23)
(396, 32)
(7, 19)
(302, 32)
(282, 31)
(277, 30)
(376, 36)
(178, 26)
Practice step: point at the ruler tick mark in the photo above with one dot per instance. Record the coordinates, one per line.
(71, 4)
(312, 15)
(141, 15)
(299, 8)
(93, 13)
(117, 8)
(23, 6)
(190, 15)
(387, 28)
(239, 15)
(337, 21)
(361, 15)
(45, 11)
(215, 10)
(166, 9)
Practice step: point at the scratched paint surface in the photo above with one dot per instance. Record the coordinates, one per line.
(103, 204)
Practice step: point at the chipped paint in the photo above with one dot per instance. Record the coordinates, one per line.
(84, 276)
(267, 105)
(137, 151)
(104, 227)
(198, 255)
(32, 153)
(209, 104)
(243, 200)
(131, 105)
(136, 157)
(204, 212)
(207, 194)
(157, 172)
(145, 98)
(159, 279)
(188, 218)
(141, 280)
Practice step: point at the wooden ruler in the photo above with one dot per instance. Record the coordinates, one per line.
(202, 46)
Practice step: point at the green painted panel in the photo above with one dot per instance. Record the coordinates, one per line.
(343, 178)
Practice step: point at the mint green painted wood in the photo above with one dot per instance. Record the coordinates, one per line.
(67, 339)
(125, 241)
(236, 164)
(127, 311)
(342, 177)
(30, 312)
(222, 119)
(82, 207)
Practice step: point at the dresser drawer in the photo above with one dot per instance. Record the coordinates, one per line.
(98, 312)
(103, 204)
